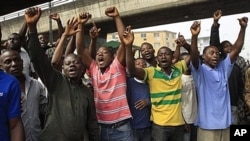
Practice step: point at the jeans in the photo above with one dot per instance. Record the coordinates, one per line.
(122, 133)
(143, 134)
(167, 133)
(192, 135)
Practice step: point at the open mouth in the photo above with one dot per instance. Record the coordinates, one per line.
(72, 71)
(147, 55)
(100, 61)
(164, 62)
(215, 61)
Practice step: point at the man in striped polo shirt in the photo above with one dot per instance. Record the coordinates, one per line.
(165, 91)
(108, 75)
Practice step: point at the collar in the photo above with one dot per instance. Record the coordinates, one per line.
(139, 81)
(208, 67)
(172, 71)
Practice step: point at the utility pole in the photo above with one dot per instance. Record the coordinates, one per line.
(50, 25)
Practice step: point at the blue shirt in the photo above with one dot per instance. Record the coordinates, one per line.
(214, 110)
(138, 90)
(10, 95)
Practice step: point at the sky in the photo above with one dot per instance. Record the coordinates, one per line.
(229, 29)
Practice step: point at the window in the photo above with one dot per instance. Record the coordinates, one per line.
(173, 35)
(167, 44)
(143, 35)
(156, 35)
(157, 45)
(167, 35)
(114, 36)
(173, 45)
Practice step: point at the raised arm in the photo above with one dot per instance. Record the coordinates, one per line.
(177, 50)
(40, 61)
(56, 17)
(194, 53)
(214, 33)
(240, 40)
(80, 47)
(94, 34)
(22, 32)
(59, 51)
(127, 40)
(113, 12)
(71, 45)
(181, 42)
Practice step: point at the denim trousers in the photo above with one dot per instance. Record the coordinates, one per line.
(167, 133)
(122, 133)
(192, 135)
(143, 134)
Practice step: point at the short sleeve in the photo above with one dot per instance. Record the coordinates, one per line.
(14, 98)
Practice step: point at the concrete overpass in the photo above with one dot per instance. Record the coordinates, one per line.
(138, 13)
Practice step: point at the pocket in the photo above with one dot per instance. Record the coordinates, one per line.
(125, 127)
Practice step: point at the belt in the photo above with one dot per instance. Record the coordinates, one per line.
(115, 125)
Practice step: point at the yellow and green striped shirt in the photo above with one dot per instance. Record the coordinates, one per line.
(165, 93)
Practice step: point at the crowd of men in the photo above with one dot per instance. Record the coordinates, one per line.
(171, 96)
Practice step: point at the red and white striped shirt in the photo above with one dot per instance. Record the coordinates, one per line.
(110, 92)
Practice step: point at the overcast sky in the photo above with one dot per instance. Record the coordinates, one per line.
(229, 28)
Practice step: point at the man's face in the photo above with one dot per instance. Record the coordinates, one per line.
(147, 52)
(211, 56)
(12, 63)
(43, 40)
(164, 57)
(72, 66)
(14, 42)
(140, 63)
(104, 57)
(227, 48)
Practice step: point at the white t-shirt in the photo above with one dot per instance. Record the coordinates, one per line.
(27, 65)
(189, 99)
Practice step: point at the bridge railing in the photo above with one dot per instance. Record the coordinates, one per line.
(43, 6)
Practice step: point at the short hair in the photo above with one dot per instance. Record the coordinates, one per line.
(207, 47)
(172, 52)
(183, 54)
(110, 49)
(139, 58)
(74, 55)
(222, 44)
(8, 50)
(147, 43)
(17, 34)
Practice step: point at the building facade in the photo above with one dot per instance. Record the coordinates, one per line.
(156, 38)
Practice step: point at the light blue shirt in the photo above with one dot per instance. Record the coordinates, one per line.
(214, 110)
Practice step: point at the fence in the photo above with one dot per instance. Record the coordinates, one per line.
(43, 6)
